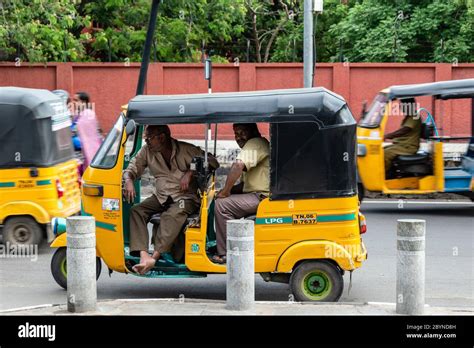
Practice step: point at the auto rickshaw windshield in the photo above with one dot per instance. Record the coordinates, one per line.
(107, 154)
(374, 116)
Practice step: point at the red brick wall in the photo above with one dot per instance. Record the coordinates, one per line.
(111, 85)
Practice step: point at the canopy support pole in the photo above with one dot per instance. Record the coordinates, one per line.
(147, 48)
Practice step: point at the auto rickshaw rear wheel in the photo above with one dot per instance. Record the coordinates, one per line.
(22, 230)
(317, 281)
(59, 267)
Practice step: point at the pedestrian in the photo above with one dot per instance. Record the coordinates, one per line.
(88, 128)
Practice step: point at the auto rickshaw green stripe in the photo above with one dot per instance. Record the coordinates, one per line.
(333, 218)
(289, 219)
(100, 224)
(274, 220)
(7, 184)
(105, 226)
(43, 182)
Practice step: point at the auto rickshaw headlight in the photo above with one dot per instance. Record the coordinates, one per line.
(361, 150)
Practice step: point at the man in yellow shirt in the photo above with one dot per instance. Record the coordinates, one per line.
(253, 167)
(406, 140)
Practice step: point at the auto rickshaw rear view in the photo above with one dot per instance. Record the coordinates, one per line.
(38, 171)
(307, 232)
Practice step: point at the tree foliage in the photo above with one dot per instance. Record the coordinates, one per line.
(407, 31)
(247, 30)
(38, 31)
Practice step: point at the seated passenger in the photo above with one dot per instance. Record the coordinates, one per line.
(235, 202)
(406, 140)
(175, 195)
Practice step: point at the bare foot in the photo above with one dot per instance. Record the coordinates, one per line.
(146, 263)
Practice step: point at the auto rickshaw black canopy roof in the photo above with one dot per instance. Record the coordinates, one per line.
(312, 133)
(41, 103)
(306, 104)
(34, 128)
(453, 89)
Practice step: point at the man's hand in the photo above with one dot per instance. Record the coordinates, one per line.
(129, 191)
(234, 174)
(223, 194)
(185, 180)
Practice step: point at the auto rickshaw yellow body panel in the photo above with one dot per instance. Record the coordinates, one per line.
(290, 231)
(37, 196)
(100, 188)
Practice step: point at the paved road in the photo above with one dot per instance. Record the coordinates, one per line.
(449, 266)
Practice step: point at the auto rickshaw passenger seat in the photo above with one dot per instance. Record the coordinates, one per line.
(413, 158)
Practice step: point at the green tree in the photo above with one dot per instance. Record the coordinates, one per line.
(183, 28)
(262, 30)
(402, 31)
(40, 30)
(289, 45)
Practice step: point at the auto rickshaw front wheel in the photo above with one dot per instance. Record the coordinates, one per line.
(317, 281)
(59, 267)
(22, 230)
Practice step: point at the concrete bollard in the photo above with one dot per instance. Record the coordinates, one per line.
(81, 264)
(240, 265)
(410, 267)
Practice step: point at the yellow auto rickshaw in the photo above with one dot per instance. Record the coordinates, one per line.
(307, 232)
(423, 172)
(38, 169)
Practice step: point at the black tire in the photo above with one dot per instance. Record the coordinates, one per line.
(59, 270)
(317, 281)
(22, 230)
(360, 191)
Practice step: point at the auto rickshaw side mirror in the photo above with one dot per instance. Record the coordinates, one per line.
(130, 127)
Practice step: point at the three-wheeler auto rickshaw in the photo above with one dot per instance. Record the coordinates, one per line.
(425, 171)
(307, 232)
(38, 170)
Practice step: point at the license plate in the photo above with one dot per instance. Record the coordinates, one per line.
(25, 184)
(304, 219)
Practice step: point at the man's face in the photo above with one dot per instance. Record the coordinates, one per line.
(242, 135)
(154, 140)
